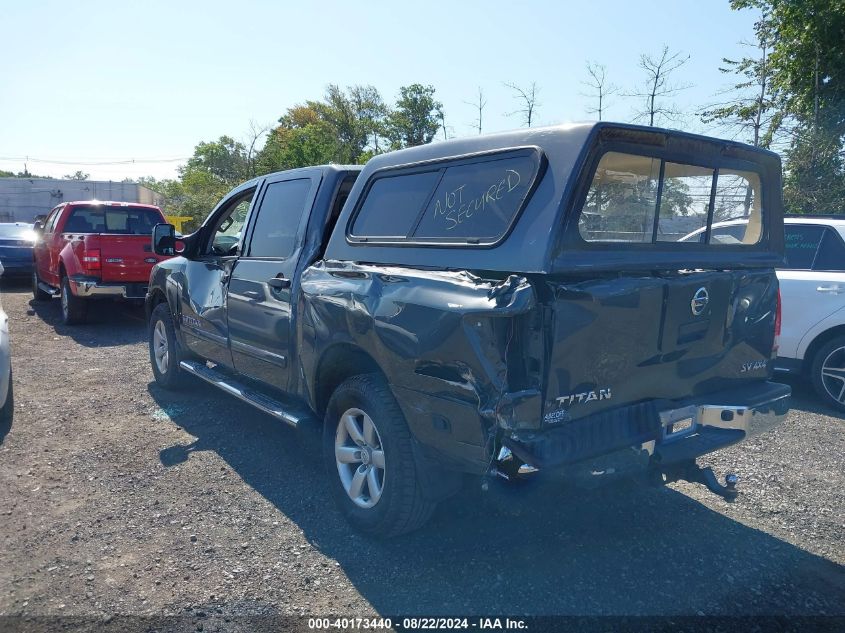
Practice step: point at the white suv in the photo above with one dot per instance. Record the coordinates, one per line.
(812, 286)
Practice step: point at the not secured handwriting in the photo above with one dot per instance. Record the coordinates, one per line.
(456, 207)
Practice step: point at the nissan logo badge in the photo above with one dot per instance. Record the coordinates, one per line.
(699, 301)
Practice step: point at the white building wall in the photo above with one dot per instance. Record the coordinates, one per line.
(21, 199)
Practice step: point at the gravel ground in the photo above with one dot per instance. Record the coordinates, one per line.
(119, 498)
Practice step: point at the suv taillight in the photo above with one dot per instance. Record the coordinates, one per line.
(91, 259)
(777, 327)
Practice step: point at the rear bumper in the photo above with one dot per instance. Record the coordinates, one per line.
(666, 432)
(89, 287)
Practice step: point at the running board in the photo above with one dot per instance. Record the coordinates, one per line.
(286, 412)
(53, 292)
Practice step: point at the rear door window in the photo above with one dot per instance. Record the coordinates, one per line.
(831, 253)
(801, 244)
(468, 201)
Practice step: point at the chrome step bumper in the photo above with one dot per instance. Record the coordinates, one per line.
(288, 412)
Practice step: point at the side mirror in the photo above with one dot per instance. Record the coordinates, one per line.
(164, 239)
(38, 227)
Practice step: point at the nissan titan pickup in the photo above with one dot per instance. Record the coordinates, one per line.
(498, 306)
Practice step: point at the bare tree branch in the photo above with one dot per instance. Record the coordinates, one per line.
(528, 98)
(656, 89)
(601, 89)
(479, 106)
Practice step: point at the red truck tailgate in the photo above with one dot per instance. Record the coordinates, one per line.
(126, 258)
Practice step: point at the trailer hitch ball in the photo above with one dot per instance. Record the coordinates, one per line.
(731, 480)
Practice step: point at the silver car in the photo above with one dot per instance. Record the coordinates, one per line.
(6, 399)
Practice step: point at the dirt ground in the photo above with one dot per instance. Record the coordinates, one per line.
(119, 498)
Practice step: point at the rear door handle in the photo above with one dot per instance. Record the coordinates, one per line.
(278, 283)
(836, 289)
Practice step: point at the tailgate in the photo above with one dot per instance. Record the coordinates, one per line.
(126, 258)
(622, 340)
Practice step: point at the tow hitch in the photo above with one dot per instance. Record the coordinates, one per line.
(693, 473)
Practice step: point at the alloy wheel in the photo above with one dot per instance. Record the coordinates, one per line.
(160, 349)
(833, 374)
(359, 456)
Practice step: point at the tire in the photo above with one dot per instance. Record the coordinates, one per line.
(7, 411)
(164, 349)
(389, 500)
(828, 373)
(74, 309)
(37, 293)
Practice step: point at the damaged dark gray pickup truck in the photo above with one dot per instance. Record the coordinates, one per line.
(499, 306)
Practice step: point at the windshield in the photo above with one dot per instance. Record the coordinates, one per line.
(118, 220)
(17, 232)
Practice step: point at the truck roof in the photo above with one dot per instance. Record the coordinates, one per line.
(111, 203)
(531, 244)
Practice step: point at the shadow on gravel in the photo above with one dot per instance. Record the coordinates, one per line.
(623, 550)
(109, 323)
(804, 397)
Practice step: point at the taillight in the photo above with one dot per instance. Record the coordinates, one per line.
(91, 259)
(777, 327)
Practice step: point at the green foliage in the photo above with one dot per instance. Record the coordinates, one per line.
(6, 174)
(808, 81)
(754, 109)
(77, 175)
(416, 118)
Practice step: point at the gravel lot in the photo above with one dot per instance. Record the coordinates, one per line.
(119, 498)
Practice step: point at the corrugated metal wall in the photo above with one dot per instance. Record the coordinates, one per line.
(21, 199)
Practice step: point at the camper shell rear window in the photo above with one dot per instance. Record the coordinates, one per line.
(471, 200)
(643, 199)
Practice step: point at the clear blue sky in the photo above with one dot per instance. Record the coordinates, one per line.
(97, 81)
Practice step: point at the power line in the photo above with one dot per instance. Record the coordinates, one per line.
(92, 163)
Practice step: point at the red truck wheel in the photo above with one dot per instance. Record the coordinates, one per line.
(74, 309)
(37, 293)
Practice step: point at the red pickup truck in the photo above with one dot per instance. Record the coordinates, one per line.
(92, 249)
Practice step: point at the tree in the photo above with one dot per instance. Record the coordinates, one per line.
(808, 80)
(656, 88)
(753, 109)
(416, 117)
(256, 131)
(600, 87)
(77, 175)
(527, 97)
(479, 106)
(224, 160)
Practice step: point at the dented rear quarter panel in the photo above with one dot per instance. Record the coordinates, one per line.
(439, 337)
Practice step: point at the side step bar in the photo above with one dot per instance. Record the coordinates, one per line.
(286, 412)
(53, 292)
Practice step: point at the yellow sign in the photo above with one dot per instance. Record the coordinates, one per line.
(177, 220)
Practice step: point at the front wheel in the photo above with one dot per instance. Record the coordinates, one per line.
(37, 293)
(828, 372)
(164, 349)
(369, 459)
(74, 309)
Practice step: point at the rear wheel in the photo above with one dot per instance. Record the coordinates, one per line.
(74, 309)
(37, 293)
(369, 459)
(164, 349)
(828, 372)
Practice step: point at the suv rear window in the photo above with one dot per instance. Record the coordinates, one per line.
(467, 201)
(108, 219)
(642, 199)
